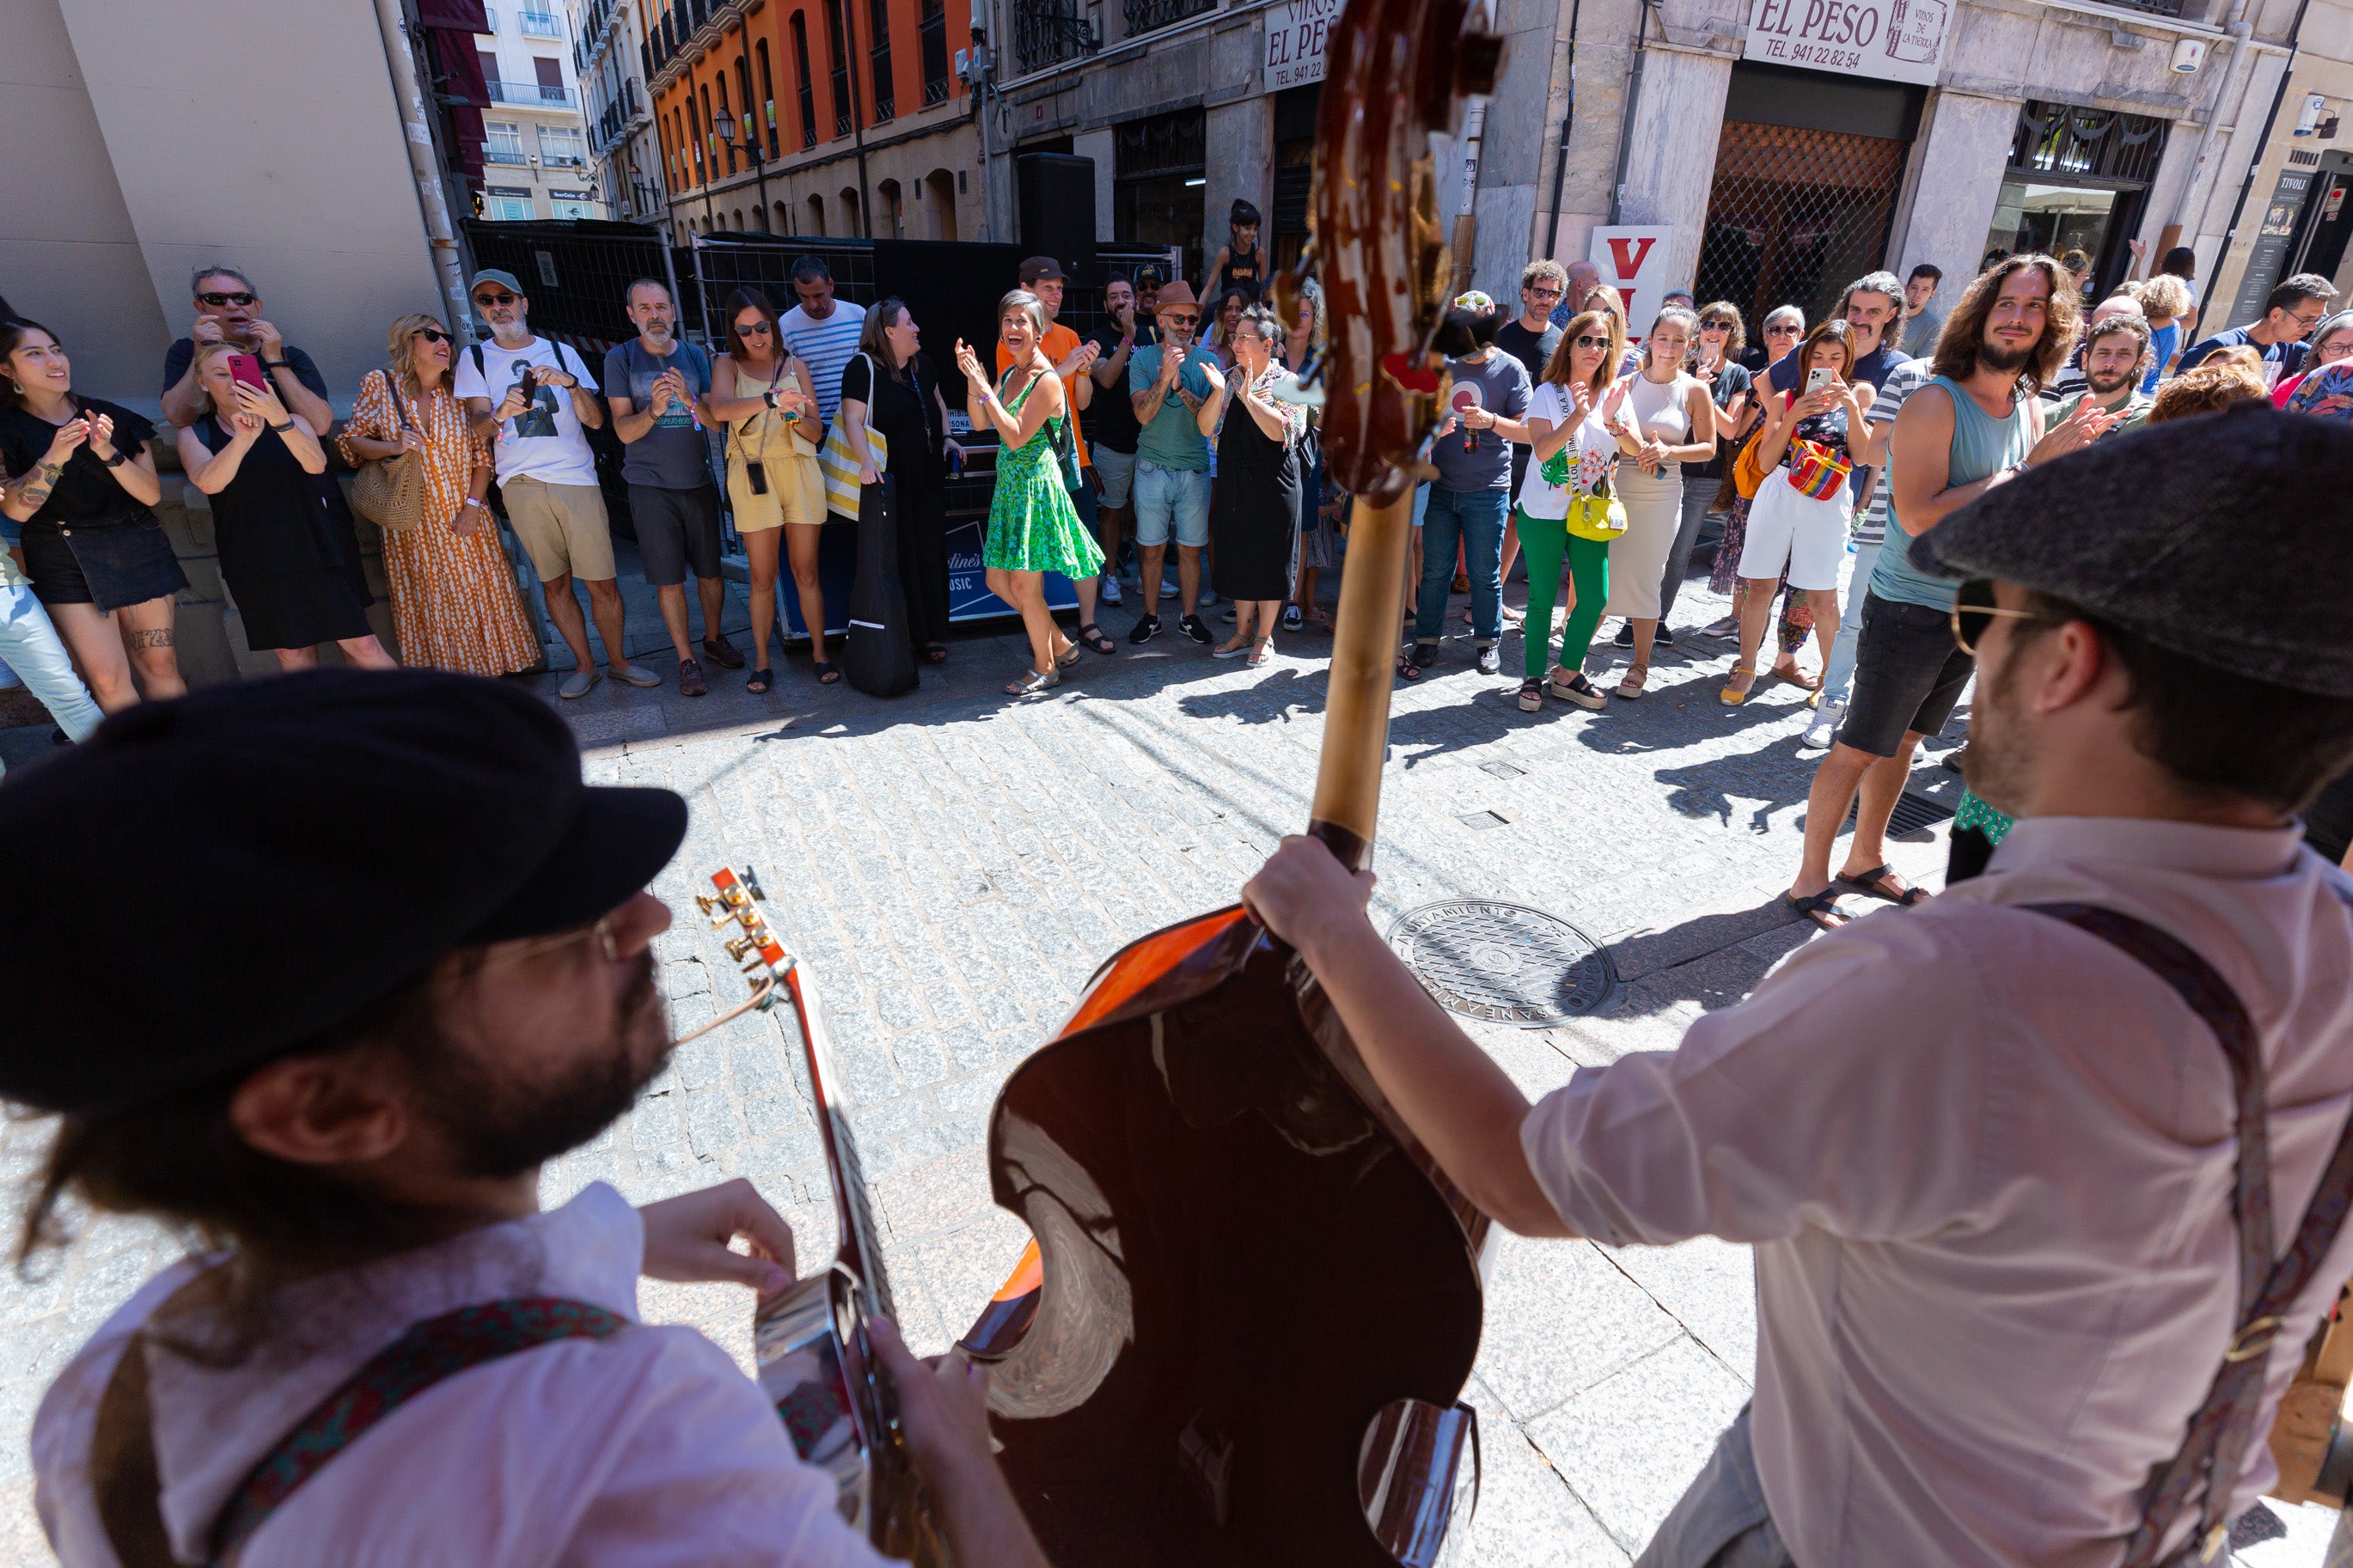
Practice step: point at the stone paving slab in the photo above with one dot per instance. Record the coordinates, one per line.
(952, 866)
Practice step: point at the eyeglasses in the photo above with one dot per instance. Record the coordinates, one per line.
(431, 334)
(600, 930)
(1784, 330)
(240, 297)
(1588, 341)
(500, 298)
(1974, 612)
(753, 329)
(1184, 319)
(2307, 323)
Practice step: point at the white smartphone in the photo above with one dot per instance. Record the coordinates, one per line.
(1818, 377)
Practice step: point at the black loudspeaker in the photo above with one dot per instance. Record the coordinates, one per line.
(1055, 194)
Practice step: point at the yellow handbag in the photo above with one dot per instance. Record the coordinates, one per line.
(1598, 518)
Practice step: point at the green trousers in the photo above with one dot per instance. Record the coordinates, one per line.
(1543, 540)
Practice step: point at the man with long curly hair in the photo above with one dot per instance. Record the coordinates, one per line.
(1976, 424)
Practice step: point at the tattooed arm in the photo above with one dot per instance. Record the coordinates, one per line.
(30, 492)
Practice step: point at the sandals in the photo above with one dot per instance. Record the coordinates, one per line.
(1631, 686)
(1259, 653)
(1036, 683)
(759, 682)
(936, 653)
(1796, 676)
(1822, 909)
(1576, 689)
(1532, 695)
(1091, 635)
(1416, 660)
(1732, 698)
(1068, 657)
(1874, 882)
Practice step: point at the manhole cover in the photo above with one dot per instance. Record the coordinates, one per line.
(1913, 814)
(1505, 964)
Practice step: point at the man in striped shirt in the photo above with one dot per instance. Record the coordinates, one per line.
(822, 330)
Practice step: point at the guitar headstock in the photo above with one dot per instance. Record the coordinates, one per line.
(765, 960)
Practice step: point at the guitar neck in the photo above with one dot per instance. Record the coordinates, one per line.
(1364, 672)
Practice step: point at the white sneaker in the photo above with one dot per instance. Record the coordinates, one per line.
(1824, 729)
(1109, 589)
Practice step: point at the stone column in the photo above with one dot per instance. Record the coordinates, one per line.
(1965, 146)
(1671, 154)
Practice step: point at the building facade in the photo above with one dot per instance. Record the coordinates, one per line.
(610, 56)
(843, 119)
(535, 158)
(2291, 211)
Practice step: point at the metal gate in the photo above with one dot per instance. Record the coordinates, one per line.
(1795, 215)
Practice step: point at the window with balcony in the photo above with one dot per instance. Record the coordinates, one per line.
(490, 19)
(879, 60)
(1047, 32)
(561, 144)
(932, 33)
(501, 144)
(839, 47)
(801, 68)
(539, 23)
(1145, 15)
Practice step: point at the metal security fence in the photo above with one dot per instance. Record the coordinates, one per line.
(577, 273)
(1795, 215)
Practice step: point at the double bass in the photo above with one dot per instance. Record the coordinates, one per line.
(1253, 1299)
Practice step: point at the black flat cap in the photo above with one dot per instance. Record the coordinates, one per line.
(2221, 538)
(206, 883)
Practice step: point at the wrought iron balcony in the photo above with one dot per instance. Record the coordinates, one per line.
(1047, 32)
(1147, 15)
(537, 94)
(540, 24)
(494, 154)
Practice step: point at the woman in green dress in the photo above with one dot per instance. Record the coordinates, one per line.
(1033, 529)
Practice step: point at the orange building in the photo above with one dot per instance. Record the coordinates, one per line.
(836, 118)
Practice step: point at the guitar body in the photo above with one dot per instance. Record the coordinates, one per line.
(1244, 1263)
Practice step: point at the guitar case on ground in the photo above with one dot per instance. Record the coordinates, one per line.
(880, 657)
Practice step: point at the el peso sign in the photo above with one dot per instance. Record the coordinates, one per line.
(1891, 40)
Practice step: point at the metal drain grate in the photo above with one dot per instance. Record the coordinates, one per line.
(1505, 964)
(1913, 814)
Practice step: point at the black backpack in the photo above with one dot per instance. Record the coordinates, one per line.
(880, 658)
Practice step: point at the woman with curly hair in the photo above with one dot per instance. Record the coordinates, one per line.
(2227, 376)
(454, 602)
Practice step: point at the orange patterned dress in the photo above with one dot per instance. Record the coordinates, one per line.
(454, 602)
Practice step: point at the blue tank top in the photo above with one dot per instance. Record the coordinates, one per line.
(1982, 445)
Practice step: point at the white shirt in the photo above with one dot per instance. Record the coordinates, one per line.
(647, 1449)
(544, 442)
(1985, 1159)
(827, 345)
(1592, 450)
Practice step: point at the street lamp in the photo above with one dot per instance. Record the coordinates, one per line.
(724, 123)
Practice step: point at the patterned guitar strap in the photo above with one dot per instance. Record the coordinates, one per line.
(2214, 1447)
(123, 1453)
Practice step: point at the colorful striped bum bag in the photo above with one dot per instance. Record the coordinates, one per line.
(1816, 469)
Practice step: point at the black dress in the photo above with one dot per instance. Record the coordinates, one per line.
(1253, 508)
(903, 410)
(90, 543)
(293, 582)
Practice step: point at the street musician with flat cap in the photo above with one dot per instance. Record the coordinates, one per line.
(2044, 1175)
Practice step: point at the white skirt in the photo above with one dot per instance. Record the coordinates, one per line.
(1638, 557)
(1789, 528)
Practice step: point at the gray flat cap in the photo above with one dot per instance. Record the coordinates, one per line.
(2224, 537)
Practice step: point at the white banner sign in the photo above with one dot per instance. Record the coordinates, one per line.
(1634, 262)
(1891, 40)
(1295, 31)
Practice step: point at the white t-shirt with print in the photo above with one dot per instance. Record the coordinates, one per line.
(544, 442)
(1595, 450)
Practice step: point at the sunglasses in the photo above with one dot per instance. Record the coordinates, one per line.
(1544, 293)
(1588, 341)
(1184, 319)
(753, 329)
(502, 298)
(1715, 326)
(431, 334)
(240, 297)
(1783, 331)
(1974, 613)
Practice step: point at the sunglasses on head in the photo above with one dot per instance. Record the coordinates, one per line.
(1588, 341)
(500, 298)
(431, 334)
(753, 329)
(1974, 613)
(217, 300)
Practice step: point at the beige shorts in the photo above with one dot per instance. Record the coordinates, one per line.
(796, 493)
(563, 527)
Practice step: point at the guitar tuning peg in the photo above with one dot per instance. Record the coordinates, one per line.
(742, 945)
(704, 904)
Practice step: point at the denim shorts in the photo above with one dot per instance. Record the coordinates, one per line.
(1114, 474)
(1171, 500)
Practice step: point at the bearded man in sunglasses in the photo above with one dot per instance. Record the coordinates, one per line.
(2045, 1179)
(229, 310)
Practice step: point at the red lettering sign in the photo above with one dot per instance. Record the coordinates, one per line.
(1629, 266)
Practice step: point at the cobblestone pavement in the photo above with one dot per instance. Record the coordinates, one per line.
(952, 866)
